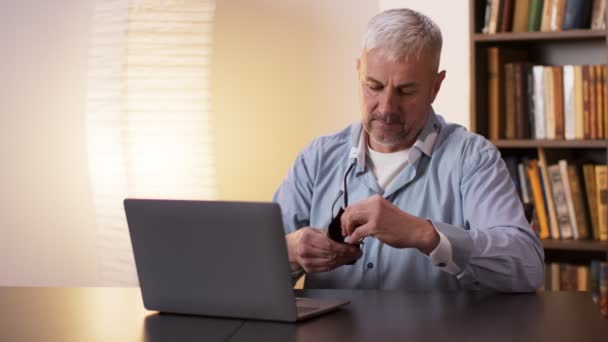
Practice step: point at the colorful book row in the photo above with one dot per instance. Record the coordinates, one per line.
(559, 203)
(543, 15)
(528, 101)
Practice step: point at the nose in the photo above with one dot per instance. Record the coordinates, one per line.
(387, 103)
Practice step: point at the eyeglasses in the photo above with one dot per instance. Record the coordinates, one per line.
(334, 230)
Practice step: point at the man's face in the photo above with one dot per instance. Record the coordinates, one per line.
(396, 97)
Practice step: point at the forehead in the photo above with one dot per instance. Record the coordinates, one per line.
(376, 64)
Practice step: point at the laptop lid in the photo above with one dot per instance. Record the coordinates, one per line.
(213, 258)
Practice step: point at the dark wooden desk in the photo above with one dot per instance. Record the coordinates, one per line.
(117, 314)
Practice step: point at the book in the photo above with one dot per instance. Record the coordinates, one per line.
(549, 102)
(592, 102)
(558, 100)
(536, 188)
(605, 101)
(558, 193)
(546, 183)
(567, 277)
(582, 278)
(578, 201)
(603, 288)
(538, 99)
(563, 170)
(497, 58)
(578, 102)
(594, 280)
(526, 197)
(524, 183)
(569, 102)
(556, 20)
(547, 284)
(591, 196)
(486, 20)
(520, 16)
(586, 103)
(598, 15)
(506, 16)
(545, 21)
(599, 101)
(601, 184)
(577, 14)
(535, 12)
(529, 102)
(509, 121)
(493, 25)
(522, 123)
(555, 277)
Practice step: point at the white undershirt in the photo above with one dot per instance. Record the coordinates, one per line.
(386, 166)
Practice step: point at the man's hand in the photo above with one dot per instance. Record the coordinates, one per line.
(379, 218)
(310, 249)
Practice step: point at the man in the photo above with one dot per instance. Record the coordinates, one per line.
(432, 203)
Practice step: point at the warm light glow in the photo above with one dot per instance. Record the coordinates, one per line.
(148, 115)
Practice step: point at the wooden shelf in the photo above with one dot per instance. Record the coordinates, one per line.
(575, 245)
(531, 143)
(539, 36)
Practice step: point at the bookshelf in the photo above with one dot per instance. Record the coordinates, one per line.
(568, 47)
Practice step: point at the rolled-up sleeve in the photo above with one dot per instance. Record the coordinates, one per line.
(497, 249)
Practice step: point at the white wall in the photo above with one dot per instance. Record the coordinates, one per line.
(453, 20)
(46, 221)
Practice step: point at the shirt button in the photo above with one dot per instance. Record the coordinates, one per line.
(370, 265)
(441, 264)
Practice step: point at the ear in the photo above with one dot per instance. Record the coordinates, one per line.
(437, 84)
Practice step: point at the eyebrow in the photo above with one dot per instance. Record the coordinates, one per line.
(400, 86)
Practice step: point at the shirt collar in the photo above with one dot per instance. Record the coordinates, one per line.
(425, 142)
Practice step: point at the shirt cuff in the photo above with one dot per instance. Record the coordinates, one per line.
(441, 256)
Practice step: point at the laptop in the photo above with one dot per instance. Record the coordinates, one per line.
(214, 258)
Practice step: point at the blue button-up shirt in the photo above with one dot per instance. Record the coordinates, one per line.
(454, 178)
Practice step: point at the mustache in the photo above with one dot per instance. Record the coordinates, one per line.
(389, 118)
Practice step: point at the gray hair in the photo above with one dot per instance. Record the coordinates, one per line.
(403, 33)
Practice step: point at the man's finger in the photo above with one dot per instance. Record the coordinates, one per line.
(359, 233)
(352, 218)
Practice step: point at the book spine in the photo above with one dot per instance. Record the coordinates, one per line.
(532, 170)
(559, 199)
(558, 98)
(545, 22)
(549, 102)
(563, 170)
(569, 102)
(586, 103)
(494, 102)
(592, 103)
(578, 102)
(510, 129)
(580, 210)
(546, 182)
(539, 102)
(521, 119)
(520, 15)
(601, 183)
(507, 16)
(599, 101)
(591, 191)
(535, 15)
